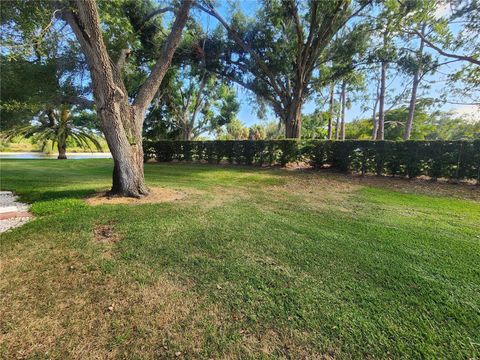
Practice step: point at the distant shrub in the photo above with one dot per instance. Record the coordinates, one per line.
(446, 159)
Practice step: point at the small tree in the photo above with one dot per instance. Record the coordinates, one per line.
(313, 126)
(194, 102)
(256, 132)
(235, 130)
(59, 128)
(41, 101)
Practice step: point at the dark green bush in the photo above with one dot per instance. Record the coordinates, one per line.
(446, 159)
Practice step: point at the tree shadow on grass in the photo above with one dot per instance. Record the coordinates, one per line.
(38, 195)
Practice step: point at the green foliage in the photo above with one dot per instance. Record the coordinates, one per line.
(437, 125)
(247, 152)
(313, 125)
(25, 88)
(191, 102)
(447, 126)
(57, 128)
(25, 29)
(127, 25)
(39, 102)
(283, 40)
(256, 132)
(448, 159)
(235, 130)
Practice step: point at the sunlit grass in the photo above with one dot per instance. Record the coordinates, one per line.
(251, 264)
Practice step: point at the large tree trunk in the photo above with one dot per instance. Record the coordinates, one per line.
(330, 112)
(122, 126)
(122, 123)
(128, 178)
(293, 120)
(413, 98)
(127, 152)
(344, 103)
(381, 101)
(187, 132)
(293, 128)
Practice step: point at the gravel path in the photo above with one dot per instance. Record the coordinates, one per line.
(12, 212)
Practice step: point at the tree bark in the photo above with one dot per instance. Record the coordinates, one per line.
(375, 123)
(122, 123)
(337, 121)
(344, 101)
(187, 132)
(293, 120)
(62, 151)
(374, 115)
(62, 132)
(330, 112)
(413, 98)
(381, 100)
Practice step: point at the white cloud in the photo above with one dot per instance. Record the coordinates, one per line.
(468, 112)
(442, 10)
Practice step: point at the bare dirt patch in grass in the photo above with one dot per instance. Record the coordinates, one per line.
(218, 196)
(318, 191)
(221, 196)
(332, 184)
(105, 233)
(65, 307)
(157, 195)
(462, 190)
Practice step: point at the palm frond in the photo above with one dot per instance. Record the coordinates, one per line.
(62, 132)
(87, 137)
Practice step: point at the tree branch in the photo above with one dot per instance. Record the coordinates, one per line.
(75, 100)
(311, 31)
(122, 58)
(298, 27)
(150, 86)
(69, 17)
(431, 45)
(157, 12)
(277, 105)
(247, 48)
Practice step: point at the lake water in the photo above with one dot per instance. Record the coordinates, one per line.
(39, 155)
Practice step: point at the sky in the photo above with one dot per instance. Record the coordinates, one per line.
(435, 82)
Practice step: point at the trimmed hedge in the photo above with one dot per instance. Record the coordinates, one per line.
(245, 152)
(445, 159)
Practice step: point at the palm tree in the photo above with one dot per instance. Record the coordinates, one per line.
(58, 127)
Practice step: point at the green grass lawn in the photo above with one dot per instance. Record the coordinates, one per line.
(252, 263)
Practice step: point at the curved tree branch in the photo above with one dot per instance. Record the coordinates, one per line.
(431, 45)
(158, 12)
(150, 86)
(246, 47)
